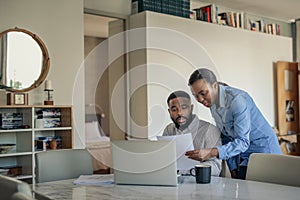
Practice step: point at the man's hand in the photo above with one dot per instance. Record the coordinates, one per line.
(202, 154)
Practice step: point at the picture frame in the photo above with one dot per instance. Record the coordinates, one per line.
(17, 98)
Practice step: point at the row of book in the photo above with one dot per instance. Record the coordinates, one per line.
(261, 26)
(173, 7)
(210, 13)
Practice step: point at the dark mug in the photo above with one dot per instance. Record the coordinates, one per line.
(202, 173)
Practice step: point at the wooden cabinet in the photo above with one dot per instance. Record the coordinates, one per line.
(288, 106)
(21, 129)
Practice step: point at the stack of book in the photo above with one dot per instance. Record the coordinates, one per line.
(173, 7)
(11, 120)
(51, 117)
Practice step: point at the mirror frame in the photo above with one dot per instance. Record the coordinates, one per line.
(45, 63)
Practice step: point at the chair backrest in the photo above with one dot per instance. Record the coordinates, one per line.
(21, 196)
(225, 170)
(62, 164)
(273, 168)
(9, 186)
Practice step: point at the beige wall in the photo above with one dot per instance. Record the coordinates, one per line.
(121, 7)
(60, 25)
(240, 58)
(96, 100)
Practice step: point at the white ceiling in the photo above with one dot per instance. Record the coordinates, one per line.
(284, 10)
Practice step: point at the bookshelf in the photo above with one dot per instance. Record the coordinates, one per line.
(25, 138)
(213, 13)
(240, 19)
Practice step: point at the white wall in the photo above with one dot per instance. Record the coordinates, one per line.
(241, 58)
(60, 25)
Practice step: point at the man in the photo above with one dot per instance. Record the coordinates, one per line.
(243, 127)
(205, 135)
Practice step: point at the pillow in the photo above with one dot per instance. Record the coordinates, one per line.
(92, 132)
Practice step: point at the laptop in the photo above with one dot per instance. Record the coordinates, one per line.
(144, 162)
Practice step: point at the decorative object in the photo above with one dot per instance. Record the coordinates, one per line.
(3, 99)
(49, 90)
(5, 148)
(17, 98)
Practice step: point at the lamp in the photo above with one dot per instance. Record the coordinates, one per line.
(49, 93)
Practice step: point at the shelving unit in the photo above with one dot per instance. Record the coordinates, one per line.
(287, 106)
(248, 21)
(22, 155)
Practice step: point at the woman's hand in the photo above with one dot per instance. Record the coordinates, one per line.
(202, 154)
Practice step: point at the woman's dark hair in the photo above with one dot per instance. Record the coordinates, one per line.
(176, 94)
(202, 73)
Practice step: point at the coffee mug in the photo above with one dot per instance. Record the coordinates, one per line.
(202, 173)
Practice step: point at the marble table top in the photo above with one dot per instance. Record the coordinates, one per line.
(219, 188)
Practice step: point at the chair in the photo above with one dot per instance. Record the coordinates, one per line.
(9, 186)
(273, 168)
(62, 164)
(21, 196)
(225, 170)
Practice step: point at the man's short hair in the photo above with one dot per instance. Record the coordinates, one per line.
(176, 94)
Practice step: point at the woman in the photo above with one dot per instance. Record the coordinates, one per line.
(244, 130)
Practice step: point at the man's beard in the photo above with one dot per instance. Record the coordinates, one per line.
(189, 119)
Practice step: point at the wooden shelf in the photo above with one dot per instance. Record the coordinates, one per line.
(53, 129)
(15, 130)
(24, 152)
(15, 154)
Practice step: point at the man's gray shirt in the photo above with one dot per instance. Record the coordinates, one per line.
(205, 135)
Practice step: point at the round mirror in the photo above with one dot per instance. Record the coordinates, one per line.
(24, 60)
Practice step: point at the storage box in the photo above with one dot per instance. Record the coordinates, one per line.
(175, 7)
(43, 143)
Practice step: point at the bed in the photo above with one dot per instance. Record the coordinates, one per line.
(97, 144)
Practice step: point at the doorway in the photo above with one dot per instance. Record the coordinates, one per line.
(100, 79)
(97, 29)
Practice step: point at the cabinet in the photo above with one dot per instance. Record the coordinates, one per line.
(24, 135)
(287, 106)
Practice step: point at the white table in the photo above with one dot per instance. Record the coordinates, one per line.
(219, 188)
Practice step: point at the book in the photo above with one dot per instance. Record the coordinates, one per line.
(232, 21)
(242, 22)
(237, 20)
(203, 13)
(223, 18)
